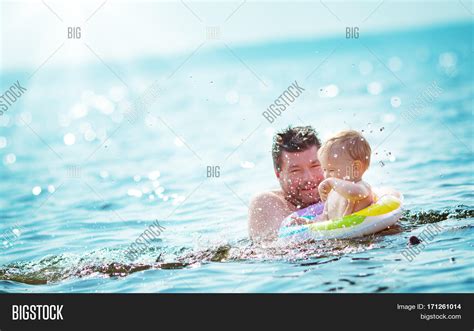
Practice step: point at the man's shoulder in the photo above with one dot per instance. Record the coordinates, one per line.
(266, 197)
(266, 212)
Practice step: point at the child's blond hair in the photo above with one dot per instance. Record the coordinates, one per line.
(352, 143)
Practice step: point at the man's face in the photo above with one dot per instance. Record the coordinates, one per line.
(300, 175)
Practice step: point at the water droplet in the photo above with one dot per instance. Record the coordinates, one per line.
(329, 91)
(247, 164)
(447, 60)
(395, 64)
(395, 102)
(134, 193)
(9, 158)
(89, 135)
(154, 175)
(232, 97)
(374, 88)
(79, 110)
(36, 190)
(69, 139)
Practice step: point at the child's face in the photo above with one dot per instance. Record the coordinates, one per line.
(339, 164)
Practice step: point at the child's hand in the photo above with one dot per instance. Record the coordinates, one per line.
(295, 220)
(324, 188)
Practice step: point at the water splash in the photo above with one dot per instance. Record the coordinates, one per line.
(113, 263)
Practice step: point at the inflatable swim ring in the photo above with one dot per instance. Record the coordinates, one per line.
(385, 212)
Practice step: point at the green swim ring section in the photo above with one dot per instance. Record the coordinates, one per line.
(384, 205)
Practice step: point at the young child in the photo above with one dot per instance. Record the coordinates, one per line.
(344, 159)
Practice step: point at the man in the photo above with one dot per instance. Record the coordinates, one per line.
(299, 172)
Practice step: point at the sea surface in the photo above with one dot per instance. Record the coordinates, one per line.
(93, 153)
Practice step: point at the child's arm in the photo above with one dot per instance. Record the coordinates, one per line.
(324, 214)
(349, 190)
(324, 189)
(349, 208)
(295, 220)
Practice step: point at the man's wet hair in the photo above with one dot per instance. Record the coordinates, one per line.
(293, 139)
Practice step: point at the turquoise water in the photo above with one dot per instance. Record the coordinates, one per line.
(80, 182)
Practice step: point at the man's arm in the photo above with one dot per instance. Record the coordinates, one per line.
(349, 190)
(266, 212)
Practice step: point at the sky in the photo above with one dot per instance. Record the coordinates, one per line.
(32, 30)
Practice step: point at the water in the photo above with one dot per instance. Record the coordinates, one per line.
(101, 197)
